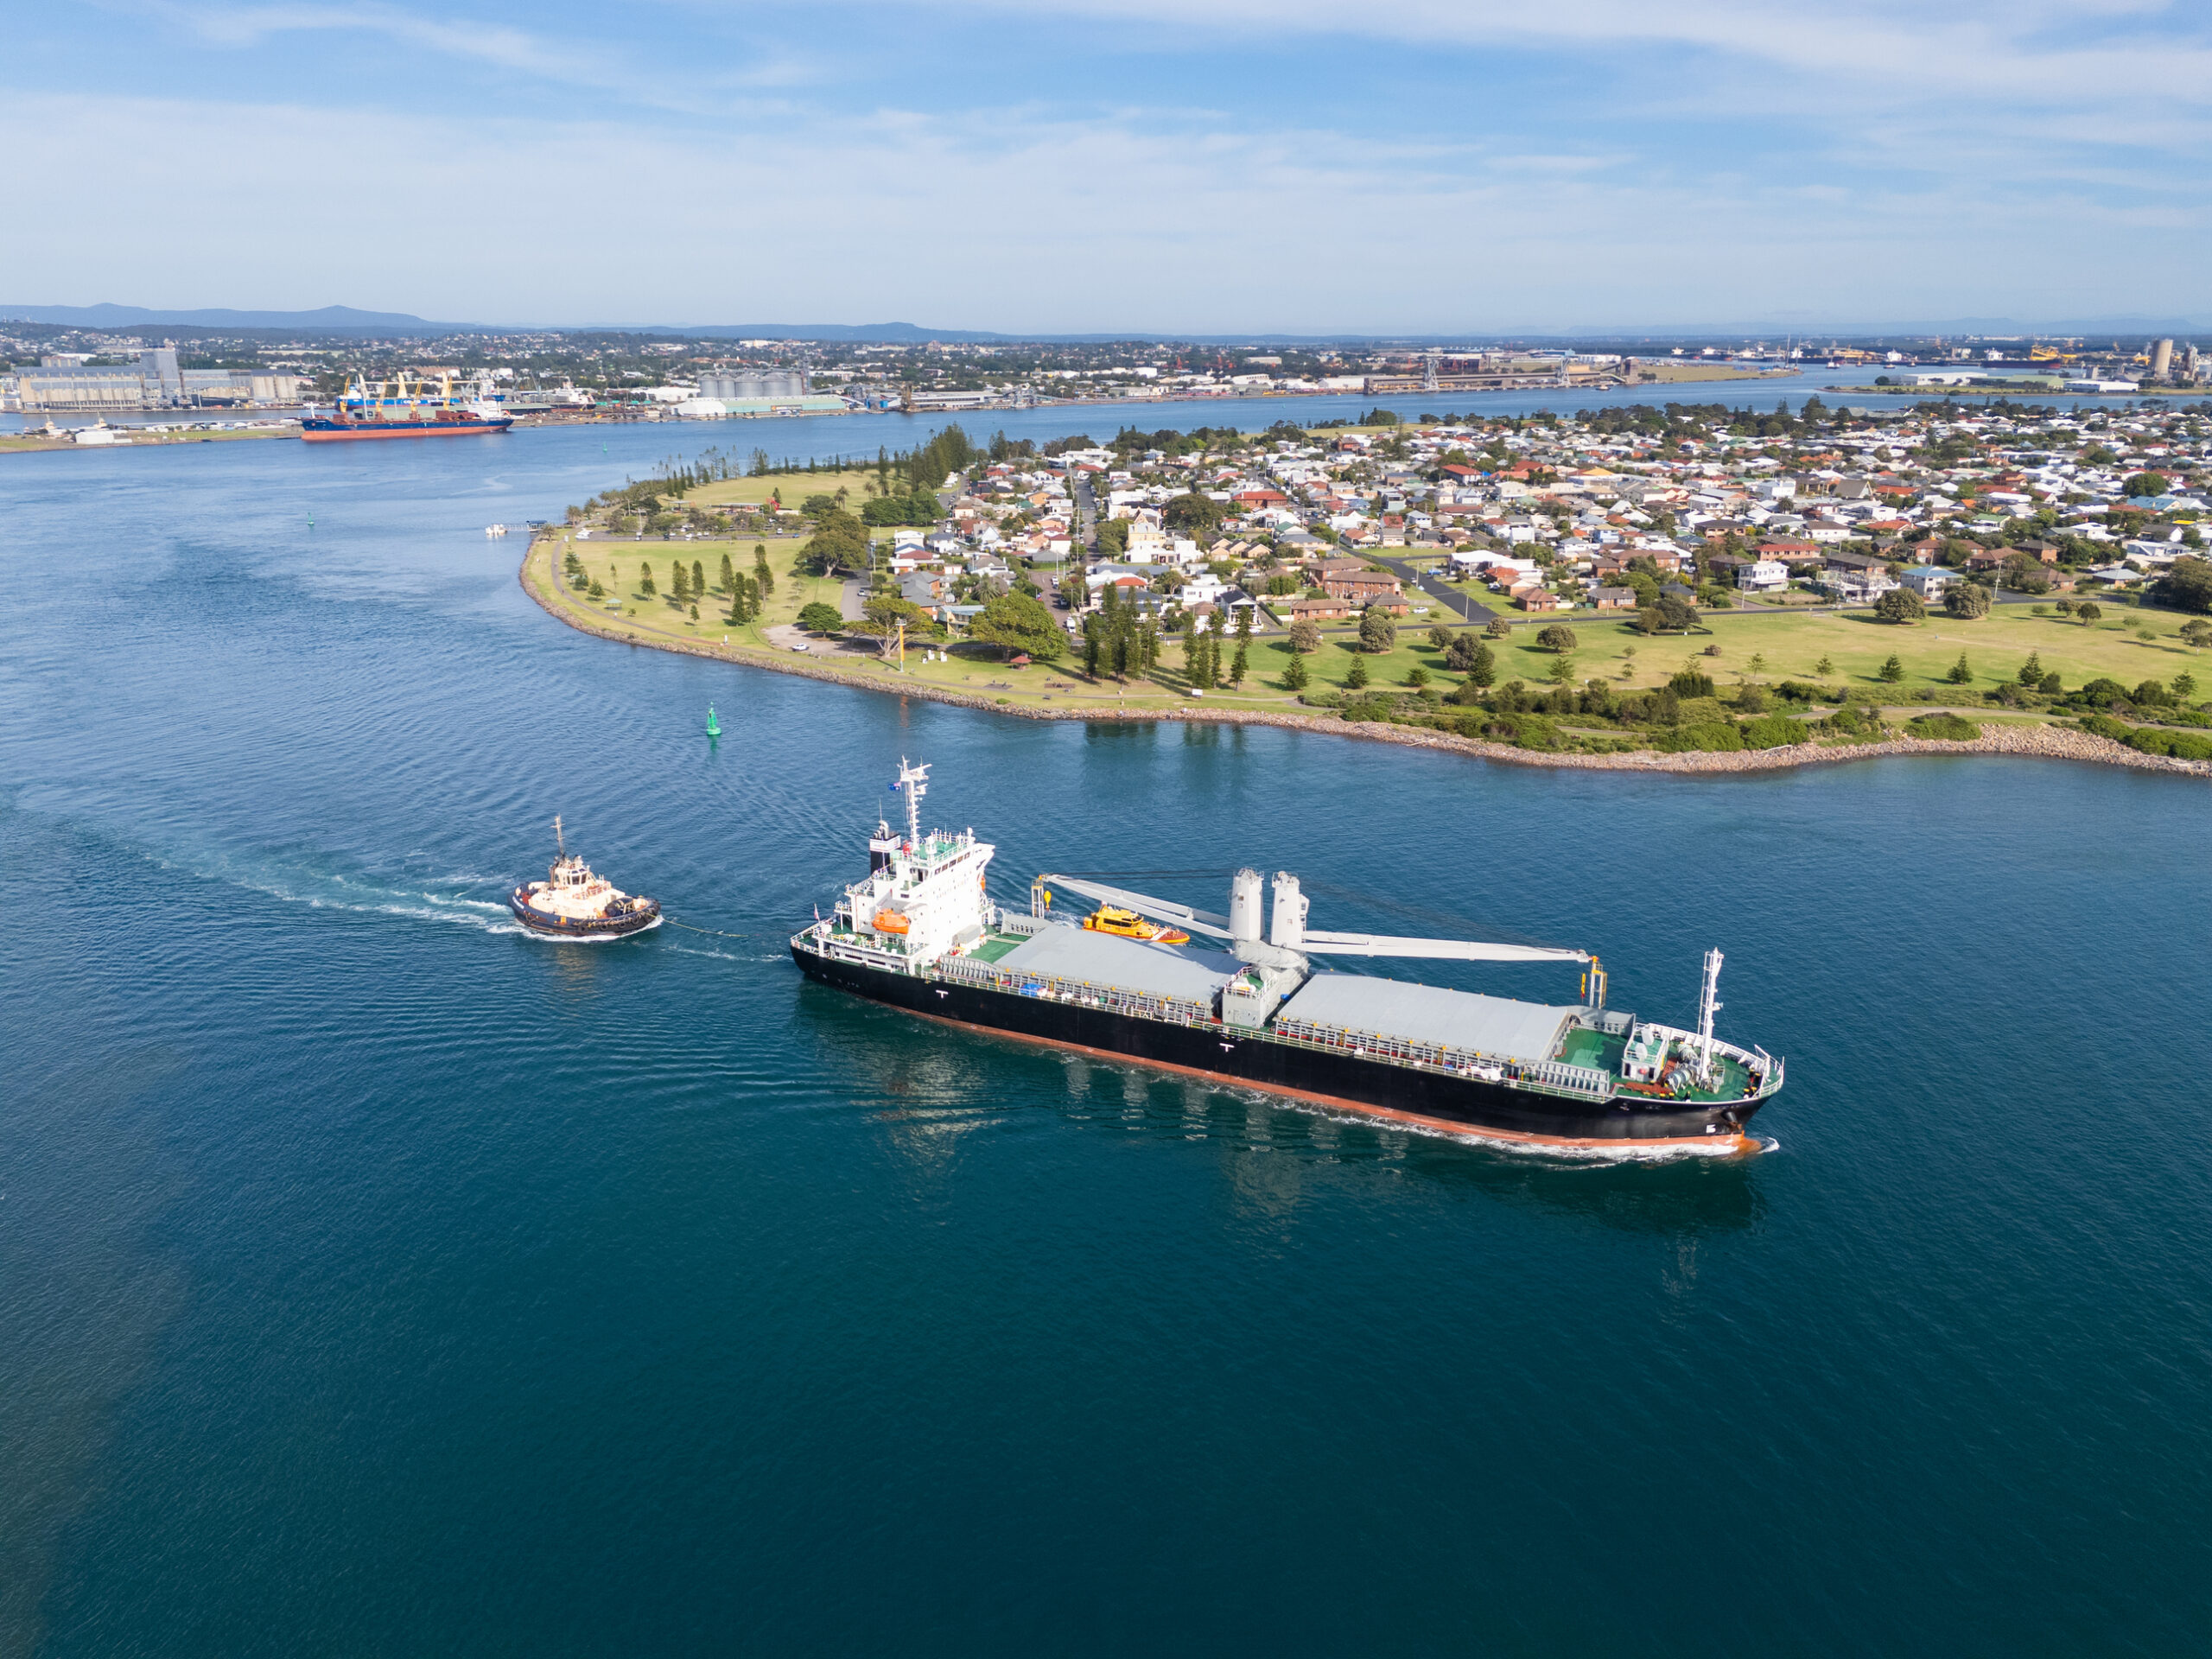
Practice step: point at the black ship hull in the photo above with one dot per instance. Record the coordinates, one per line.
(645, 915)
(1423, 1099)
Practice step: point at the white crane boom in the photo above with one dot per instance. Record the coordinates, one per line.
(1320, 944)
(1377, 944)
(1199, 921)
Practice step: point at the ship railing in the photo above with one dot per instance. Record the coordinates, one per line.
(1550, 1076)
(1113, 999)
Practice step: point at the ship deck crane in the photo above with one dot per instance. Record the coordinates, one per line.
(1290, 942)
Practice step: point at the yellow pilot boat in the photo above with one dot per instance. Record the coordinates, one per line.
(1128, 924)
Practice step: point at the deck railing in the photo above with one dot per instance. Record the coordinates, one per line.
(1549, 1077)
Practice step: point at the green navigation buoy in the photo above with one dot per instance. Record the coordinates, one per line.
(714, 726)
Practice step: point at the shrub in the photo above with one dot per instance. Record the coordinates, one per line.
(1949, 727)
(2186, 585)
(1900, 605)
(1469, 656)
(1806, 691)
(1775, 732)
(1716, 737)
(1689, 682)
(1558, 637)
(1966, 601)
(818, 618)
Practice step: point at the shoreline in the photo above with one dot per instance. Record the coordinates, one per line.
(2037, 742)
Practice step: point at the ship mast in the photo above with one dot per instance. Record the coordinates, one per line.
(1708, 1003)
(915, 780)
(560, 846)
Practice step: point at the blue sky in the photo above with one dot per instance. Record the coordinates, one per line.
(1204, 165)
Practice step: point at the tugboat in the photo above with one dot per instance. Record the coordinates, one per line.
(572, 903)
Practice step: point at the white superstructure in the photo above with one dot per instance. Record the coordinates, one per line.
(925, 896)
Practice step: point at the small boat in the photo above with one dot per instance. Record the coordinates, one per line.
(572, 903)
(1128, 924)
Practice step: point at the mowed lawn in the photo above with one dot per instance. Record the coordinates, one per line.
(1790, 647)
(793, 488)
(1995, 645)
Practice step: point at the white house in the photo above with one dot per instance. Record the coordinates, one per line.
(1763, 576)
(1928, 580)
(1860, 587)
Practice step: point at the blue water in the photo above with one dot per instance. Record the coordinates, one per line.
(374, 1279)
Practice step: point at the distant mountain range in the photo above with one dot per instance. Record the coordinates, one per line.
(331, 320)
(347, 320)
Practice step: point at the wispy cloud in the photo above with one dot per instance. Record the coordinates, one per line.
(595, 65)
(1972, 48)
(1705, 157)
(1066, 224)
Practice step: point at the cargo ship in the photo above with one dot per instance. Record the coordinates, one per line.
(920, 933)
(390, 409)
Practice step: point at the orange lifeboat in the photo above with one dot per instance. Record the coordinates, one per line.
(891, 921)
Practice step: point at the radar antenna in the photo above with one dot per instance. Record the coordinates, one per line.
(915, 780)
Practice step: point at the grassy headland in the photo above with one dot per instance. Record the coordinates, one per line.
(1854, 647)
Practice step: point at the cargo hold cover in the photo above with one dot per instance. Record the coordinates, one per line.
(1429, 1015)
(1130, 964)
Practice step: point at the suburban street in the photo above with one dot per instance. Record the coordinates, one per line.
(1456, 603)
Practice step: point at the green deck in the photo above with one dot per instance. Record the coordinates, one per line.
(1593, 1049)
(995, 945)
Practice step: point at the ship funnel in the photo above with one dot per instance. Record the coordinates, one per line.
(1244, 906)
(1289, 929)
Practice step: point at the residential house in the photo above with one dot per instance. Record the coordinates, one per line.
(1361, 587)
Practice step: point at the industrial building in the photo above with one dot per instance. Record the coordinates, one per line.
(65, 382)
(745, 385)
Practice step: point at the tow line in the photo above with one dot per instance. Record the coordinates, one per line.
(716, 932)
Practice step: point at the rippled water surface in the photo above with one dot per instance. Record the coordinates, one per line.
(374, 1279)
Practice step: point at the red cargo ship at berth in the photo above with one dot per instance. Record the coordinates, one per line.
(920, 933)
(390, 410)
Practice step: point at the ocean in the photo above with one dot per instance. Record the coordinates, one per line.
(376, 1280)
